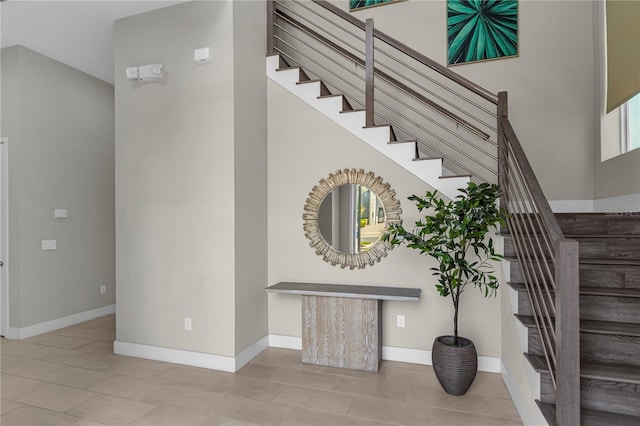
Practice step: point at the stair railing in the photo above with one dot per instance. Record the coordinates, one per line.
(412, 92)
(549, 261)
(553, 289)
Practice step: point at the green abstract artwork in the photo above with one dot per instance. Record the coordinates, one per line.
(478, 30)
(361, 4)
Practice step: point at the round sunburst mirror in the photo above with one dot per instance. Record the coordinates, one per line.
(346, 215)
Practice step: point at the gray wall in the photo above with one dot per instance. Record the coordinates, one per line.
(303, 147)
(550, 84)
(190, 179)
(59, 122)
(250, 176)
(615, 174)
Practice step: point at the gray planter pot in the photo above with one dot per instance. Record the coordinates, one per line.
(455, 366)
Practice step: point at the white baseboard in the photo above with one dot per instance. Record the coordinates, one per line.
(244, 357)
(286, 342)
(528, 412)
(571, 206)
(194, 359)
(175, 356)
(57, 324)
(390, 353)
(622, 203)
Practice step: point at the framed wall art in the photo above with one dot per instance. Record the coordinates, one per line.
(362, 4)
(480, 30)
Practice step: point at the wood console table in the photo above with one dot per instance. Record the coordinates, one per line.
(342, 324)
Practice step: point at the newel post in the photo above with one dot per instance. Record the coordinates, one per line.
(567, 333)
(368, 73)
(503, 113)
(270, 33)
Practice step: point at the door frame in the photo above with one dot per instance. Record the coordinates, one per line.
(4, 236)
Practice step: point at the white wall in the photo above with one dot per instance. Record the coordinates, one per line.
(191, 179)
(304, 147)
(59, 122)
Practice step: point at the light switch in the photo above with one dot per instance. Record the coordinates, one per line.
(49, 244)
(60, 213)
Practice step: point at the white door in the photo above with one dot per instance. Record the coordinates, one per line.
(4, 238)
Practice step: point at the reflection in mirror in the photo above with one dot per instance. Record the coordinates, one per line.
(345, 216)
(351, 218)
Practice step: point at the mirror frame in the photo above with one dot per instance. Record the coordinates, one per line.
(310, 217)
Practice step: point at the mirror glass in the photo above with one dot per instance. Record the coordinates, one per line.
(351, 218)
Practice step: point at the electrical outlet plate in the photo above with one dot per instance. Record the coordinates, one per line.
(187, 324)
(103, 289)
(400, 321)
(49, 244)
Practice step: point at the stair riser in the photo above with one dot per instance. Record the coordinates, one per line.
(599, 395)
(593, 224)
(593, 275)
(581, 224)
(601, 308)
(597, 248)
(597, 348)
(610, 349)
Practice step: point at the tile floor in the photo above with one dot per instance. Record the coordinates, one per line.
(72, 377)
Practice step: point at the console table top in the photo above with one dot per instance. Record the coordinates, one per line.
(344, 290)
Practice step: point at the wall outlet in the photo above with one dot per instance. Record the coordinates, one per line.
(103, 289)
(187, 323)
(400, 321)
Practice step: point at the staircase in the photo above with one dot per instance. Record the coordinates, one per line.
(576, 276)
(382, 137)
(609, 264)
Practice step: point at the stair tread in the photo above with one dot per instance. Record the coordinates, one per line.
(505, 233)
(427, 158)
(588, 261)
(287, 68)
(589, 417)
(454, 176)
(309, 81)
(401, 141)
(330, 96)
(345, 111)
(591, 291)
(610, 291)
(593, 326)
(597, 371)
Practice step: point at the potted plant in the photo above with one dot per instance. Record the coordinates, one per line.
(455, 234)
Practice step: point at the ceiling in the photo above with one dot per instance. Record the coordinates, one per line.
(77, 33)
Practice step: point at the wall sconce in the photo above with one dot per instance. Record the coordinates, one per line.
(145, 72)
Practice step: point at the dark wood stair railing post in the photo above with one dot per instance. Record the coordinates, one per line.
(567, 334)
(503, 112)
(369, 71)
(270, 33)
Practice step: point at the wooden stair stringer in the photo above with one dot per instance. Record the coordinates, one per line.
(429, 171)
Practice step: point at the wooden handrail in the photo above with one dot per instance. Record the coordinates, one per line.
(467, 84)
(548, 218)
(566, 275)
